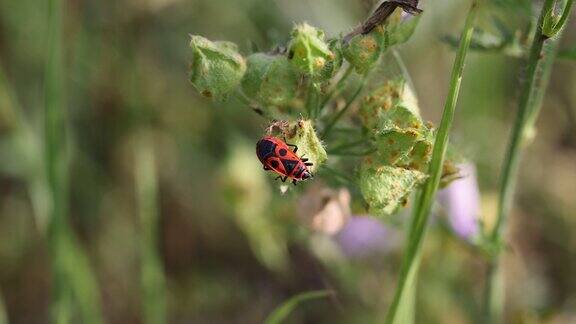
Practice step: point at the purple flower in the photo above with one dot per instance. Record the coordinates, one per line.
(461, 202)
(364, 236)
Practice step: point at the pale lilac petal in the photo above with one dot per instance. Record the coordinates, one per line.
(461, 201)
(363, 236)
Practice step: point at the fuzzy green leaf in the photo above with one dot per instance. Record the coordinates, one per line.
(309, 145)
(308, 50)
(362, 51)
(386, 188)
(270, 79)
(391, 105)
(302, 134)
(394, 145)
(217, 67)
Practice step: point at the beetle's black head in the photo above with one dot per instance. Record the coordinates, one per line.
(265, 149)
(306, 175)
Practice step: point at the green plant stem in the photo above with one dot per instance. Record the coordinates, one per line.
(152, 276)
(54, 122)
(408, 272)
(74, 286)
(312, 98)
(539, 67)
(342, 111)
(337, 88)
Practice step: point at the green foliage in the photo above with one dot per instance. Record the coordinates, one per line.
(403, 145)
(400, 29)
(423, 206)
(538, 71)
(90, 217)
(75, 291)
(390, 105)
(146, 190)
(385, 187)
(270, 79)
(309, 52)
(334, 63)
(364, 50)
(217, 67)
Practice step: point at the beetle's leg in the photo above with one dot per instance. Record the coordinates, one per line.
(304, 159)
(294, 182)
(278, 177)
(284, 179)
(308, 163)
(291, 145)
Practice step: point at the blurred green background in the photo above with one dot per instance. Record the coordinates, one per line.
(231, 247)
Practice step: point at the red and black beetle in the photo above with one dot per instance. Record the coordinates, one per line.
(275, 155)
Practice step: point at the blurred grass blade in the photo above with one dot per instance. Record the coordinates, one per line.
(3, 315)
(281, 312)
(29, 144)
(425, 199)
(74, 286)
(152, 276)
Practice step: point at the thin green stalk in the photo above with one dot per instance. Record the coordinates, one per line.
(342, 111)
(152, 276)
(30, 144)
(408, 272)
(74, 286)
(312, 98)
(538, 71)
(337, 88)
(54, 119)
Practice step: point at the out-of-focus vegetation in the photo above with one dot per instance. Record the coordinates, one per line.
(170, 209)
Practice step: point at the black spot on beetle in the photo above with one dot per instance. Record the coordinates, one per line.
(282, 152)
(274, 164)
(289, 165)
(265, 149)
